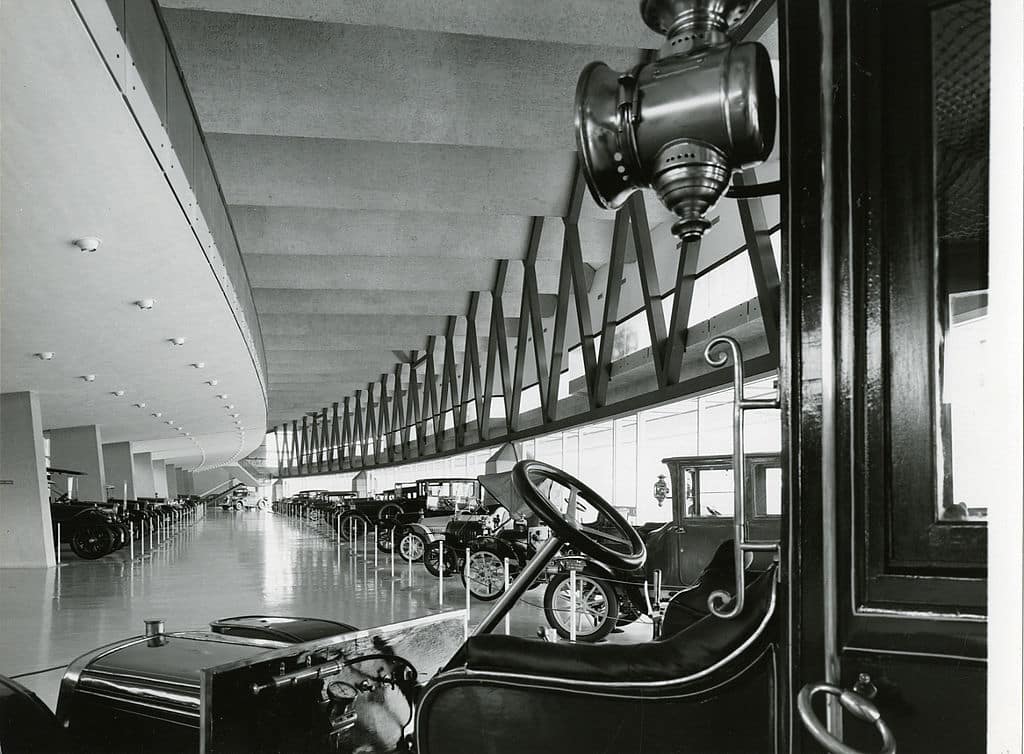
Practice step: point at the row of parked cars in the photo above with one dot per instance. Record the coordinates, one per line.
(470, 527)
(94, 529)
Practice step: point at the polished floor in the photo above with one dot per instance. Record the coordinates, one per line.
(228, 563)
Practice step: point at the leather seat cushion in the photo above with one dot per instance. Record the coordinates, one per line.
(696, 648)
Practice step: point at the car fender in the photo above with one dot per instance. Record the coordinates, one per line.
(501, 545)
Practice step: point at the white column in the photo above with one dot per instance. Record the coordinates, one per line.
(119, 467)
(159, 478)
(81, 449)
(172, 481)
(143, 464)
(26, 536)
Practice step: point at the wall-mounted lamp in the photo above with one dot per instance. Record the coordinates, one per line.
(661, 490)
(683, 122)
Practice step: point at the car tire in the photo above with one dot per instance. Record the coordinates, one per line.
(597, 607)
(384, 539)
(431, 559)
(486, 571)
(350, 523)
(237, 506)
(92, 541)
(410, 545)
(262, 505)
(388, 513)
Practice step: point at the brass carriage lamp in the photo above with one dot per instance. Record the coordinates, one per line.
(682, 123)
(661, 491)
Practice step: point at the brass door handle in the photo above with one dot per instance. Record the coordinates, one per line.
(853, 703)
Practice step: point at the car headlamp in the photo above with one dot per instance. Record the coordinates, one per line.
(683, 122)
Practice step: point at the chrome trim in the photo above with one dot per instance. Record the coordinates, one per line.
(145, 695)
(921, 614)
(908, 653)
(719, 598)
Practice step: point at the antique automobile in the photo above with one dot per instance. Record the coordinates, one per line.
(415, 530)
(676, 551)
(407, 504)
(406, 687)
(92, 529)
(447, 553)
(241, 497)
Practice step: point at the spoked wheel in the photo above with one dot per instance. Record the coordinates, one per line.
(384, 539)
(597, 608)
(350, 525)
(432, 559)
(411, 546)
(485, 572)
(313, 515)
(91, 542)
(238, 506)
(388, 513)
(262, 505)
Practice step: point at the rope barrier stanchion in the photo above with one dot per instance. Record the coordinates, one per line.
(131, 540)
(572, 605)
(376, 549)
(151, 534)
(508, 614)
(440, 573)
(142, 539)
(57, 543)
(366, 541)
(392, 535)
(466, 579)
(409, 561)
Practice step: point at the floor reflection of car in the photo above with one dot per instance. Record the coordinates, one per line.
(245, 686)
(702, 496)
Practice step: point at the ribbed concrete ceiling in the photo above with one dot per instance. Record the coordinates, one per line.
(381, 156)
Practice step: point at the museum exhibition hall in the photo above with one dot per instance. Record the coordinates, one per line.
(474, 376)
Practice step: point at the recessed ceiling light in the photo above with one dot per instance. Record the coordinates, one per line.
(199, 365)
(223, 396)
(179, 341)
(212, 383)
(234, 416)
(118, 393)
(156, 414)
(45, 355)
(89, 377)
(230, 406)
(169, 422)
(145, 303)
(88, 243)
(140, 405)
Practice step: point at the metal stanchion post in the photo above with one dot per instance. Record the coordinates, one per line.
(508, 615)
(57, 543)
(366, 541)
(151, 534)
(410, 573)
(131, 540)
(440, 573)
(466, 621)
(337, 530)
(392, 553)
(572, 605)
(142, 539)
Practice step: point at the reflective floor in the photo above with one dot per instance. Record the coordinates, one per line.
(226, 564)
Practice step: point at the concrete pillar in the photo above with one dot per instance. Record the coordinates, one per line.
(185, 485)
(81, 449)
(143, 464)
(119, 468)
(504, 459)
(26, 536)
(160, 479)
(172, 481)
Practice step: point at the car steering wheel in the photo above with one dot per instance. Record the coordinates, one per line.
(529, 475)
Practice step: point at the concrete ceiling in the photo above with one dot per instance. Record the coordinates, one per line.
(380, 157)
(74, 164)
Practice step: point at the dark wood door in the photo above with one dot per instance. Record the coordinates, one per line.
(885, 307)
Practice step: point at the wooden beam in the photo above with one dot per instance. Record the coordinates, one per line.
(399, 431)
(762, 259)
(304, 445)
(613, 288)
(471, 367)
(571, 246)
(413, 416)
(649, 283)
(345, 451)
(686, 278)
(335, 449)
(359, 430)
(384, 418)
(497, 351)
(450, 384)
(371, 423)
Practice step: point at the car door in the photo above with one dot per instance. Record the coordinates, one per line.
(884, 321)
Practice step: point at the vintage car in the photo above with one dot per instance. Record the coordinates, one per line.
(407, 687)
(93, 530)
(676, 551)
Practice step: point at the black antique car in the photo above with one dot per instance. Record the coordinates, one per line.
(406, 687)
(93, 530)
(702, 497)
